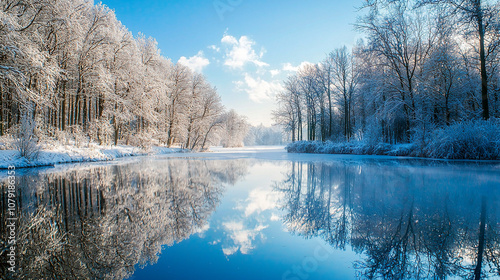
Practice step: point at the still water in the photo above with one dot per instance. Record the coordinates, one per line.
(257, 215)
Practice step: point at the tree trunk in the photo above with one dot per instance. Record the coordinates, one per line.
(330, 108)
(482, 58)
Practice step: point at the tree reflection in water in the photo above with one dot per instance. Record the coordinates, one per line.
(407, 221)
(99, 222)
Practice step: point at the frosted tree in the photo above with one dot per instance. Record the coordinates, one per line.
(204, 110)
(327, 66)
(145, 97)
(123, 82)
(310, 93)
(177, 93)
(27, 74)
(235, 128)
(443, 76)
(345, 77)
(403, 38)
(290, 107)
(482, 18)
(89, 98)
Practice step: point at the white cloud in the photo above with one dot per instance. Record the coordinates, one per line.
(214, 47)
(241, 52)
(261, 200)
(274, 72)
(241, 237)
(290, 68)
(215, 242)
(258, 89)
(228, 39)
(275, 217)
(229, 251)
(201, 231)
(195, 63)
(233, 226)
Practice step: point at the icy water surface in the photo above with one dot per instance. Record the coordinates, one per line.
(257, 214)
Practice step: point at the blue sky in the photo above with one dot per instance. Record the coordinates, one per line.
(245, 48)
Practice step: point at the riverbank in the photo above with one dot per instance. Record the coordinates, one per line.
(52, 155)
(458, 151)
(352, 148)
(474, 140)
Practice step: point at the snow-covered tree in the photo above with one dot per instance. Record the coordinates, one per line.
(345, 77)
(235, 128)
(83, 75)
(418, 70)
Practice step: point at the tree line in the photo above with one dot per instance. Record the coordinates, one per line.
(422, 65)
(74, 70)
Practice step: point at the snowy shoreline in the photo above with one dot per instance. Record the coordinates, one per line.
(351, 148)
(468, 152)
(72, 154)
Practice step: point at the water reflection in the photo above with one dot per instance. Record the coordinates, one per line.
(99, 222)
(406, 221)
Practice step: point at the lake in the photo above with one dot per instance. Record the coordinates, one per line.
(257, 214)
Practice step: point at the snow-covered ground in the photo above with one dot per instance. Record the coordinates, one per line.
(68, 153)
(57, 154)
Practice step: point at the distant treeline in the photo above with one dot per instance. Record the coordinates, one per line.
(264, 136)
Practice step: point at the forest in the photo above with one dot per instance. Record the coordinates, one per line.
(425, 74)
(70, 71)
(423, 71)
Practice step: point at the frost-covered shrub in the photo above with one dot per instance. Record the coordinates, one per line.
(62, 136)
(6, 142)
(466, 140)
(78, 135)
(301, 147)
(162, 138)
(328, 147)
(44, 132)
(373, 134)
(26, 141)
(355, 148)
(381, 149)
(403, 150)
(101, 131)
(421, 136)
(144, 140)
